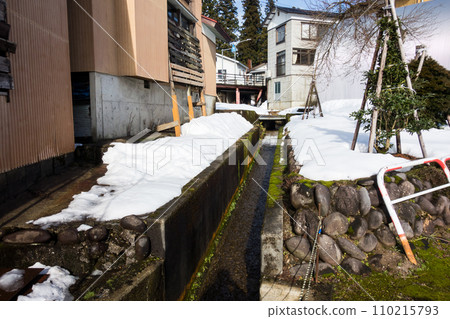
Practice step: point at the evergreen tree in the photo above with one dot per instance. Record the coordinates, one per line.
(270, 5)
(228, 19)
(209, 9)
(251, 29)
(433, 83)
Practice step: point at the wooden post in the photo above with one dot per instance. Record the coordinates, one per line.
(202, 100)
(175, 112)
(318, 101)
(373, 127)
(363, 103)
(422, 59)
(408, 78)
(191, 107)
(238, 96)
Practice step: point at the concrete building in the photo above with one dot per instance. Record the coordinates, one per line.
(91, 70)
(122, 68)
(293, 36)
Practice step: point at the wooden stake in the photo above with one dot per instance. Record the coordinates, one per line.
(191, 107)
(202, 99)
(317, 250)
(175, 112)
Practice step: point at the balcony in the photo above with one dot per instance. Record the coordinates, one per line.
(240, 80)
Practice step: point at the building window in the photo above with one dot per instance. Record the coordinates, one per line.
(303, 56)
(281, 33)
(281, 63)
(222, 74)
(179, 19)
(312, 31)
(277, 90)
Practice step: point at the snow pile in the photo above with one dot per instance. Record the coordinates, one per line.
(322, 144)
(143, 177)
(55, 288)
(261, 110)
(12, 280)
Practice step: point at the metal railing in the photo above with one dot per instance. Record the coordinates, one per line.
(239, 79)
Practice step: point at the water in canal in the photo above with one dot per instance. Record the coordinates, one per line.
(234, 272)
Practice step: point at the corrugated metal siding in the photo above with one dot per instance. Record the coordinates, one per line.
(37, 124)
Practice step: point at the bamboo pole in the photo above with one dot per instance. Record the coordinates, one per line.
(191, 107)
(408, 78)
(364, 101)
(373, 127)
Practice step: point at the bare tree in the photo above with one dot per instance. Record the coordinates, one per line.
(355, 28)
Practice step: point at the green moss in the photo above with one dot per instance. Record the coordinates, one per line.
(428, 281)
(89, 295)
(275, 192)
(387, 179)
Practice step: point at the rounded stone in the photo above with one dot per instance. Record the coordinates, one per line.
(368, 242)
(298, 246)
(97, 233)
(347, 200)
(442, 204)
(355, 266)
(301, 195)
(375, 196)
(329, 251)
(365, 182)
(350, 248)
(427, 185)
(28, 236)
(446, 216)
(358, 228)
(299, 270)
(406, 188)
(305, 221)
(418, 228)
(132, 222)
(142, 247)
(438, 222)
(428, 227)
(407, 212)
(68, 236)
(374, 219)
(426, 206)
(97, 249)
(393, 190)
(402, 176)
(325, 268)
(385, 236)
(322, 196)
(407, 229)
(335, 224)
(417, 183)
(364, 201)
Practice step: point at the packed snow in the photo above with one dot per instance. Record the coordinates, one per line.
(55, 288)
(12, 280)
(322, 144)
(260, 110)
(142, 177)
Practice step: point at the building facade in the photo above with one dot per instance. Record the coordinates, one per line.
(293, 36)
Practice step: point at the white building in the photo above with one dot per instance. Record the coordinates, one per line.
(292, 40)
(229, 69)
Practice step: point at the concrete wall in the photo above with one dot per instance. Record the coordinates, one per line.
(122, 106)
(185, 226)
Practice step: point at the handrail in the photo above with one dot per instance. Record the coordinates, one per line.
(390, 203)
(240, 79)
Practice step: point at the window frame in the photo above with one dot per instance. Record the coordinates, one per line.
(284, 34)
(298, 54)
(279, 64)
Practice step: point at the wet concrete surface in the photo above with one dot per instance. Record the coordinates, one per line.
(235, 270)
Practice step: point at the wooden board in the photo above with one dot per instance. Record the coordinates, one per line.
(30, 277)
(166, 126)
(5, 65)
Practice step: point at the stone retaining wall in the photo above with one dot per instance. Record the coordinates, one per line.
(144, 258)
